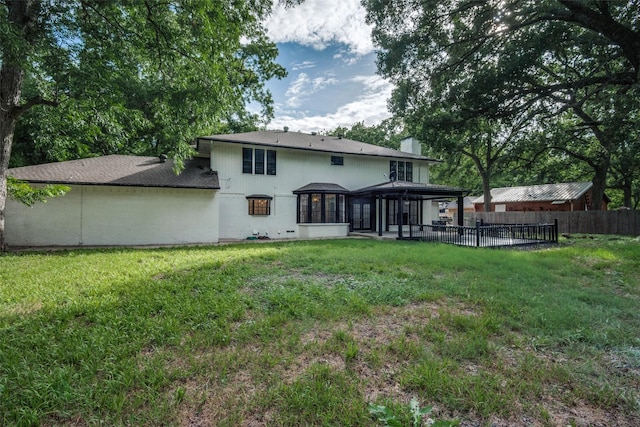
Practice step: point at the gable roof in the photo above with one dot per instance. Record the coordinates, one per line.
(467, 203)
(119, 170)
(311, 142)
(537, 193)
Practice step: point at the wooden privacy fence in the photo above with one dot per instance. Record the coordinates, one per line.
(623, 222)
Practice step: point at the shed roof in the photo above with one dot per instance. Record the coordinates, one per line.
(537, 193)
(312, 142)
(119, 170)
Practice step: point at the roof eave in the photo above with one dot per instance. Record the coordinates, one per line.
(399, 155)
(118, 184)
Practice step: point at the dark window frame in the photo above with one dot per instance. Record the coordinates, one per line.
(271, 162)
(400, 171)
(247, 160)
(337, 160)
(259, 206)
(412, 215)
(259, 161)
(313, 208)
(408, 170)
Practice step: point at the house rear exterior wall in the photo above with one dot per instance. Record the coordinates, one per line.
(295, 169)
(236, 223)
(58, 222)
(105, 216)
(314, 231)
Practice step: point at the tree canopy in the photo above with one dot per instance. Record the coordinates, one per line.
(127, 76)
(570, 67)
(387, 133)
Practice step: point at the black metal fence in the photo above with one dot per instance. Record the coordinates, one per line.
(486, 235)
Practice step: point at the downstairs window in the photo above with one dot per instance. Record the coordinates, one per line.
(259, 204)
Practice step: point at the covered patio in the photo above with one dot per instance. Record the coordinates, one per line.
(400, 192)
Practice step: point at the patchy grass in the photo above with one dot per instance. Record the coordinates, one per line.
(310, 333)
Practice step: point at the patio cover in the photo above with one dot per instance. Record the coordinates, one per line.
(404, 190)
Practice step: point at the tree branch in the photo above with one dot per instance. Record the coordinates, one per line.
(38, 100)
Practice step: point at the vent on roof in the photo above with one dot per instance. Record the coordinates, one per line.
(314, 133)
(163, 158)
(286, 128)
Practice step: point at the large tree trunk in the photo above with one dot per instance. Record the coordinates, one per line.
(10, 88)
(486, 190)
(599, 184)
(4, 166)
(627, 190)
(11, 80)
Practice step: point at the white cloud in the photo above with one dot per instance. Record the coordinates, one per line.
(373, 83)
(320, 83)
(303, 87)
(304, 65)
(369, 108)
(319, 23)
(296, 90)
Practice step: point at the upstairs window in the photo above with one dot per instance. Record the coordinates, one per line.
(247, 160)
(271, 162)
(400, 171)
(259, 162)
(254, 161)
(337, 160)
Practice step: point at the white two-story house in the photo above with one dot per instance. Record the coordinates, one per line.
(289, 184)
(274, 184)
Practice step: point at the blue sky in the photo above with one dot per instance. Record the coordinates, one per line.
(326, 47)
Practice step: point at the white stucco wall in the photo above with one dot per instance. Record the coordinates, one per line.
(314, 231)
(236, 223)
(105, 215)
(295, 169)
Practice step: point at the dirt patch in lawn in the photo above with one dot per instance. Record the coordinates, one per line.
(243, 398)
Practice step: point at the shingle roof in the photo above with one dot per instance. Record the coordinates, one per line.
(468, 203)
(303, 141)
(130, 171)
(321, 187)
(413, 188)
(536, 193)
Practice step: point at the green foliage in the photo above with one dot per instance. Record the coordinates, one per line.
(137, 78)
(28, 195)
(388, 133)
(469, 73)
(386, 416)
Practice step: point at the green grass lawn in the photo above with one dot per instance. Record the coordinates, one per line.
(310, 333)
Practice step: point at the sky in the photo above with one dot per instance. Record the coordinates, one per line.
(326, 47)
